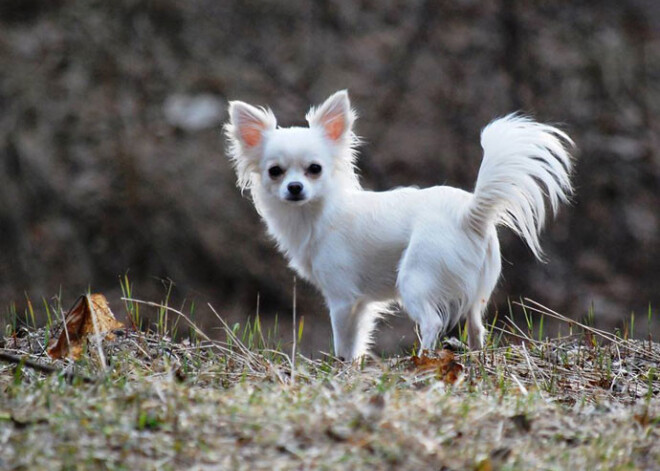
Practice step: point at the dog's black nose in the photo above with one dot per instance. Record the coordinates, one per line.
(295, 188)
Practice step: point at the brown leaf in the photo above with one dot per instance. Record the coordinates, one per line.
(484, 465)
(444, 364)
(89, 315)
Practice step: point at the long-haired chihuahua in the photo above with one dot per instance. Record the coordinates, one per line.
(433, 250)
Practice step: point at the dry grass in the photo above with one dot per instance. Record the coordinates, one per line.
(584, 401)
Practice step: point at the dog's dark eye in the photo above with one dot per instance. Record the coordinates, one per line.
(275, 171)
(314, 169)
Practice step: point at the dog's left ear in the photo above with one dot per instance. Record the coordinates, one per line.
(334, 116)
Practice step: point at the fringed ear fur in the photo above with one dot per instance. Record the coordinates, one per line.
(334, 116)
(245, 133)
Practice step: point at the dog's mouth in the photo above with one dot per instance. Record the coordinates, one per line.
(295, 198)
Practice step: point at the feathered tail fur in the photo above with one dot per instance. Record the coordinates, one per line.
(524, 161)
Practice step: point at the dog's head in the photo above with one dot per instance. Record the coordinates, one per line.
(295, 165)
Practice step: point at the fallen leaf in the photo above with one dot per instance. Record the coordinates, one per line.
(484, 465)
(444, 364)
(89, 315)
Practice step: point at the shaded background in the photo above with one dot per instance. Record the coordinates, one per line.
(112, 158)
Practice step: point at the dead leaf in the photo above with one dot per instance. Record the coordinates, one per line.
(484, 465)
(444, 364)
(89, 315)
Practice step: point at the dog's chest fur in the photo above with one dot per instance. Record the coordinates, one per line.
(295, 231)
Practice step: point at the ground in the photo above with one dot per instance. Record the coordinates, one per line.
(586, 400)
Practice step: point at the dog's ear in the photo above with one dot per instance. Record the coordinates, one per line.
(248, 124)
(245, 134)
(334, 116)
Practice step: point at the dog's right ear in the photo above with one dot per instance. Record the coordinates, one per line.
(245, 134)
(249, 124)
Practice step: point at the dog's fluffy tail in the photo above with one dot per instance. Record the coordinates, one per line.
(523, 162)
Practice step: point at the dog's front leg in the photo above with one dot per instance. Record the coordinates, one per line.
(345, 316)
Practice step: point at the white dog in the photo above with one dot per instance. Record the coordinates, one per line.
(434, 250)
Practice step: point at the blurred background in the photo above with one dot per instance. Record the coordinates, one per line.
(112, 158)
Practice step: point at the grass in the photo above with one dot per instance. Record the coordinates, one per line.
(587, 400)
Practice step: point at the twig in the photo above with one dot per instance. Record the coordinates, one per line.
(522, 388)
(522, 335)
(68, 375)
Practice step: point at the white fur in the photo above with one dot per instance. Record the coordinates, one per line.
(434, 250)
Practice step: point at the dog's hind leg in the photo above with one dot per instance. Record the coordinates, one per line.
(416, 284)
(475, 326)
(490, 273)
(431, 324)
(421, 308)
(429, 320)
